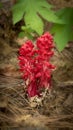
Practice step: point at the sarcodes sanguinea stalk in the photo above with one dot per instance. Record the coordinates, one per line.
(34, 62)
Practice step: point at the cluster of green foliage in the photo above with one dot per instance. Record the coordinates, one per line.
(63, 33)
(34, 13)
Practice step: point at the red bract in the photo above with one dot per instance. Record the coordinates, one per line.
(34, 63)
(26, 49)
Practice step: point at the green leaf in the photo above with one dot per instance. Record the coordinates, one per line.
(36, 23)
(21, 34)
(66, 15)
(29, 36)
(71, 36)
(26, 29)
(50, 16)
(32, 11)
(18, 12)
(62, 35)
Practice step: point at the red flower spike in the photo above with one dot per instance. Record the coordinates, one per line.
(34, 63)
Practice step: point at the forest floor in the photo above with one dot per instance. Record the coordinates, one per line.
(55, 109)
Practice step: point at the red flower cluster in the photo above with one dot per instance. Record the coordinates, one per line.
(34, 63)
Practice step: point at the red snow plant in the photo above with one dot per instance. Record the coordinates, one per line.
(34, 62)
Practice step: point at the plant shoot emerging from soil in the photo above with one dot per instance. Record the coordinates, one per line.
(34, 62)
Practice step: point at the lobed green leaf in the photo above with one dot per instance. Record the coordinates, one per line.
(31, 11)
(62, 35)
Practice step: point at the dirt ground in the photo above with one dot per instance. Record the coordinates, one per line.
(55, 109)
